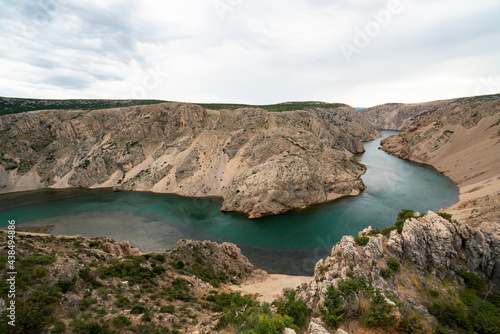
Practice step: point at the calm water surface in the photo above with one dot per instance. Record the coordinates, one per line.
(289, 243)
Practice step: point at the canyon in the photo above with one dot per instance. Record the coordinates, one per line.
(259, 162)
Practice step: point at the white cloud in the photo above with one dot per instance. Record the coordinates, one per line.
(250, 52)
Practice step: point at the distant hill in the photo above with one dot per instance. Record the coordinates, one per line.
(399, 116)
(11, 105)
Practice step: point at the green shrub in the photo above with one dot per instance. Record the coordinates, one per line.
(35, 313)
(38, 259)
(448, 217)
(333, 311)
(94, 244)
(473, 282)
(362, 241)
(39, 272)
(387, 230)
(441, 330)
(207, 273)
(80, 327)
(129, 269)
(65, 286)
(386, 272)
(86, 303)
(349, 287)
(59, 327)
(121, 321)
(403, 215)
(122, 302)
(179, 265)
(379, 313)
(181, 284)
(394, 264)
(449, 314)
(168, 309)
(137, 309)
(413, 323)
(248, 316)
(265, 323)
(159, 258)
(297, 310)
(158, 270)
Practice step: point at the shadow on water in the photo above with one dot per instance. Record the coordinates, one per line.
(290, 243)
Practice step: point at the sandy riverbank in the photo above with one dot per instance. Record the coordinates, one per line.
(269, 287)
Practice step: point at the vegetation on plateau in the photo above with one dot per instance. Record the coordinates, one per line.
(16, 105)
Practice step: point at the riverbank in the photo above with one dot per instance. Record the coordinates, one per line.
(288, 244)
(463, 142)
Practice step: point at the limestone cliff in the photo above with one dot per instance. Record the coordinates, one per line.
(431, 251)
(399, 116)
(259, 162)
(462, 140)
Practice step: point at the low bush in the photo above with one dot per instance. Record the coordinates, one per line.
(59, 327)
(129, 269)
(66, 286)
(394, 264)
(380, 312)
(121, 321)
(449, 314)
(38, 259)
(333, 310)
(80, 327)
(362, 241)
(137, 309)
(297, 310)
(473, 282)
(249, 316)
(159, 258)
(122, 302)
(386, 272)
(448, 217)
(168, 309)
(414, 323)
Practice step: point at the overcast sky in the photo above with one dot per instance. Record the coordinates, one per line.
(250, 51)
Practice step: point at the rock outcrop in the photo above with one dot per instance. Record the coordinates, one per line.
(259, 162)
(430, 245)
(399, 116)
(461, 140)
(224, 258)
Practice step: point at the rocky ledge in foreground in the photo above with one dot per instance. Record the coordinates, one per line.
(421, 274)
(259, 162)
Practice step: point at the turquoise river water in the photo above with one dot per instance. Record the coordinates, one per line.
(289, 243)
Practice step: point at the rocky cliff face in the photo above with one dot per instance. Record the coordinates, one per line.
(260, 162)
(431, 251)
(399, 116)
(462, 140)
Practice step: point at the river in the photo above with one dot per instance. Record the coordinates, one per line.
(289, 243)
